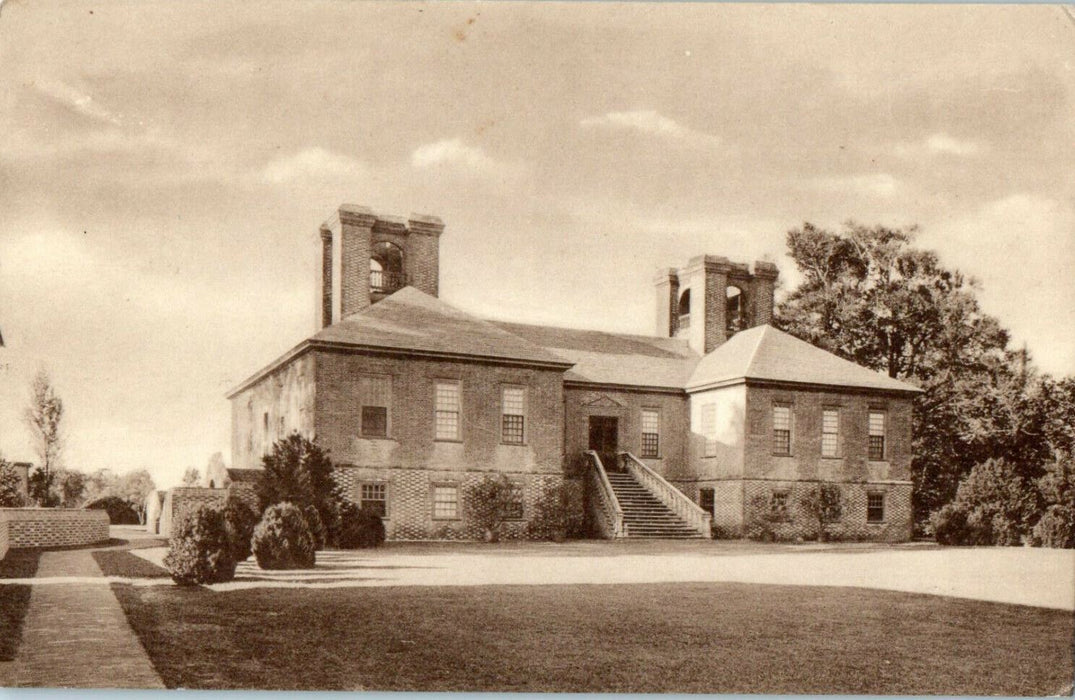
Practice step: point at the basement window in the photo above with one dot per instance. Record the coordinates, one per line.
(875, 508)
(374, 497)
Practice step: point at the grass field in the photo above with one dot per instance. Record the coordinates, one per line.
(622, 638)
(15, 599)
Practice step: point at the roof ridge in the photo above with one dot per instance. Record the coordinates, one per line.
(757, 346)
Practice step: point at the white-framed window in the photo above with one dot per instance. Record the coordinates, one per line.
(374, 497)
(877, 436)
(375, 392)
(513, 415)
(875, 508)
(446, 417)
(781, 429)
(445, 502)
(709, 428)
(830, 432)
(651, 432)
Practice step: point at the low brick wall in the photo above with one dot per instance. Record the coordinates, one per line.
(51, 527)
(186, 499)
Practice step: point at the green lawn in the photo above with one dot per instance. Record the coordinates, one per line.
(625, 638)
(15, 599)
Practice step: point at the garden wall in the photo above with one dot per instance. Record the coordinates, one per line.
(186, 499)
(51, 527)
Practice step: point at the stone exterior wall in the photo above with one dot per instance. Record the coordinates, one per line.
(184, 500)
(279, 403)
(52, 527)
(581, 403)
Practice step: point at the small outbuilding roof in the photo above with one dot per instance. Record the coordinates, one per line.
(767, 354)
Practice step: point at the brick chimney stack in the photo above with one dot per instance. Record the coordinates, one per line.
(365, 257)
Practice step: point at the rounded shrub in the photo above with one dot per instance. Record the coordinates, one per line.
(282, 539)
(358, 528)
(316, 525)
(1055, 529)
(240, 520)
(120, 511)
(200, 550)
(950, 525)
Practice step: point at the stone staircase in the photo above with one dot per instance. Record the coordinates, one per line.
(644, 516)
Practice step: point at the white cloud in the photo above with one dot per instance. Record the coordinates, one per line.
(943, 143)
(77, 101)
(880, 185)
(652, 123)
(452, 152)
(939, 144)
(311, 163)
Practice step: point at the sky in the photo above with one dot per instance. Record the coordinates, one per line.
(164, 169)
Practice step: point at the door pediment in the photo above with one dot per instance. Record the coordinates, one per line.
(603, 401)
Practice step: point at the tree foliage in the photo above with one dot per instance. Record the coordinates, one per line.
(298, 471)
(11, 495)
(43, 418)
(191, 476)
(822, 504)
(489, 503)
(870, 296)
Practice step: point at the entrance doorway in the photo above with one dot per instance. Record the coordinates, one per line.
(604, 439)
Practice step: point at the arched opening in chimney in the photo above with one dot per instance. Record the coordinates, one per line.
(386, 267)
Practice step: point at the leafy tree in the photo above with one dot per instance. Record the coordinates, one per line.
(43, 418)
(297, 471)
(490, 502)
(1056, 528)
(134, 487)
(824, 505)
(10, 486)
(69, 486)
(994, 505)
(869, 296)
(191, 477)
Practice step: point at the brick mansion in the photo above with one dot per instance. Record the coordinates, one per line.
(715, 420)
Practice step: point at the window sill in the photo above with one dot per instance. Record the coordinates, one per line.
(446, 520)
(833, 458)
(513, 444)
(650, 457)
(387, 438)
(876, 522)
(456, 441)
(781, 454)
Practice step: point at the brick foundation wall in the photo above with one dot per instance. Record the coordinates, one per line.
(184, 500)
(896, 526)
(51, 527)
(410, 500)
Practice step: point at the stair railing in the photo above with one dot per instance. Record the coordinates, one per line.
(673, 499)
(604, 506)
